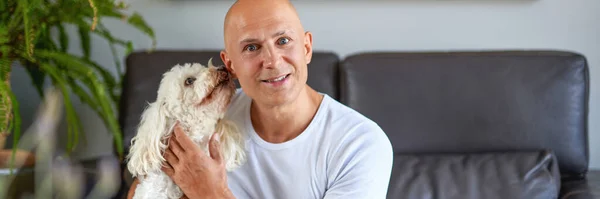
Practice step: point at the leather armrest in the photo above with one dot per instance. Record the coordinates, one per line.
(588, 188)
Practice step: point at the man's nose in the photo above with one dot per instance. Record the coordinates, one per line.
(270, 57)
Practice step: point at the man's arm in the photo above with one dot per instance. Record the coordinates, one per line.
(361, 166)
(132, 188)
(197, 174)
(186, 165)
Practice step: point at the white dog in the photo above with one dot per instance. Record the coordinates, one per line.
(197, 96)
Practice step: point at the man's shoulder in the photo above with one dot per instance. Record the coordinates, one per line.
(237, 106)
(348, 126)
(238, 99)
(360, 154)
(238, 96)
(343, 116)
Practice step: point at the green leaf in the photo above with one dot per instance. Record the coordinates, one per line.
(111, 84)
(83, 67)
(27, 25)
(105, 33)
(5, 50)
(74, 125)
(44, 37)
(79, 69)
(5, 112)
(3, 7)
(63, 37)
(4, 37)
(5, 101)
(16, 18)
(108, 9)
(28, 28)
(138, 22)
(84, 97)
(84, 35)
(73, 63)
(116, 59)
(15, 123)
(38, 77)
(129, 48)
(5, 65)
(106, 75)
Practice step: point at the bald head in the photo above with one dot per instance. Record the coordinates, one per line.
(267, 50)
(244, 13)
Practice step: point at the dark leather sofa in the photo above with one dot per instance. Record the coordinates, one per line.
(468, 125)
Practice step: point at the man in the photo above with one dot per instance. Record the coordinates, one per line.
(300, 143)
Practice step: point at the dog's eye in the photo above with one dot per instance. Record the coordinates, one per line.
(190, 81)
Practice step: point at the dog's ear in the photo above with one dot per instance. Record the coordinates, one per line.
(232, 144)
(147, 147)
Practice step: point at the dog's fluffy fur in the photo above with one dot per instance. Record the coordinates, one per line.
(197, 96)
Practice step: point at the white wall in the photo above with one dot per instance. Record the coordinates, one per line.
(384, 25)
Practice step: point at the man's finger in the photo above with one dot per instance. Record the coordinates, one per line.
(175, 147)
(182, 139)
(168, 170)
(214, 147)
(170, 157)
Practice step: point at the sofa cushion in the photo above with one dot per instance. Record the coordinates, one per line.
(475, 101)
(518, 175)
(144, 71)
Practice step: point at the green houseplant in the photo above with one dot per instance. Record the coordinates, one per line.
(34, 34)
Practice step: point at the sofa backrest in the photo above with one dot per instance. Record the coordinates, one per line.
(144, 71)
(431, 102)
(475, 101)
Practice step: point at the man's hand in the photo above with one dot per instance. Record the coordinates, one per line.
(197, 174)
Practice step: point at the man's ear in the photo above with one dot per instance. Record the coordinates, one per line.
(227, 63)
(308, 46)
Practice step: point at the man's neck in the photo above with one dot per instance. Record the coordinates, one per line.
(283, 123)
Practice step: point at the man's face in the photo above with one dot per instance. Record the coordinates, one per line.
(268, 53)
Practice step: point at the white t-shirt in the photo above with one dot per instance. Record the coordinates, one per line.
(342, 154)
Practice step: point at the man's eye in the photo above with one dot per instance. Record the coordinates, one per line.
(283, 41)
(251, 48)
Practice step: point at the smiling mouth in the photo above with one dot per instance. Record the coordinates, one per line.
(277, 79)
